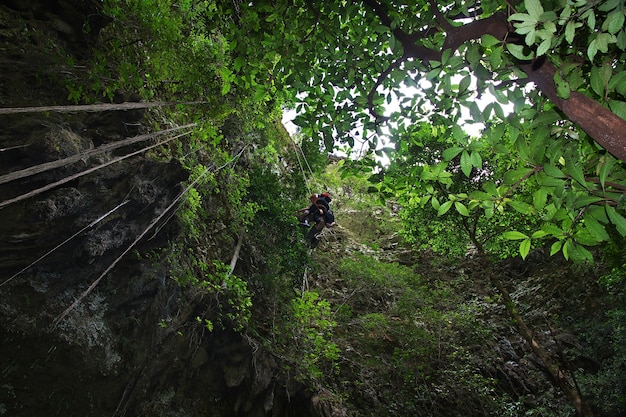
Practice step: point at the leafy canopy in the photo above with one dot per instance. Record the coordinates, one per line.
(558, 65)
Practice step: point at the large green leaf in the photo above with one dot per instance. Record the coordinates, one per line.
(606, 166)
(512, 177)
(450, 153)
(617, 219)
(540, 197)
(618, 83)
(552, 229)
(553, 171)
(476, 159)
(524, 248)
(518, 51)
(556, 247)
(618, 107)
(614, 21)
(596, 230)
(534, 8)
(461, 209)
(514, 235)
(575, 169)
(444, 208)
(596, 82)
(466, 163)
(521, 207)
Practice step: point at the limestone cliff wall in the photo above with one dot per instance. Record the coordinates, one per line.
(107, 356)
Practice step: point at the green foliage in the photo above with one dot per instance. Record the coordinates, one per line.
(349, 62)
(192, 213)
(189, 214)
(231, 299)
(273, 224)
(312, 335)
(420, 336)
(512, 184)
(175, 50)
(302, 335)
(517, 186)
(565, 24)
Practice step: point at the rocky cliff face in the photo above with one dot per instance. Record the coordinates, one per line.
(107, 355)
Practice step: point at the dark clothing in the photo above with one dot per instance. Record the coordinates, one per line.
(323, 204)
(318, 213)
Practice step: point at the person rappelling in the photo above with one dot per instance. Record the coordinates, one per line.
(316, 216)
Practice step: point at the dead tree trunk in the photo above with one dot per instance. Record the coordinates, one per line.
(233, 261)
(93, 107)
(37, 169)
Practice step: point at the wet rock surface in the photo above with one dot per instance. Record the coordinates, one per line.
(107, 355)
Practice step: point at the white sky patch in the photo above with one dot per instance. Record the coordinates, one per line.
(288, 116)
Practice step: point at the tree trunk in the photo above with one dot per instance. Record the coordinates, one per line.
(233, 261)
(604, 126)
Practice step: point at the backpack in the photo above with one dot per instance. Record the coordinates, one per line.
(329, 217)
(323, 204)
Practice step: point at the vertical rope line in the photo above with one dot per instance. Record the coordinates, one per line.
(305, 280)
(306, 181)
(305, 160)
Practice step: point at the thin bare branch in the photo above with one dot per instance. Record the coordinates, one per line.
(93, 107)
(37, 169)
(370, 97)
(82, 173)
(12, 148)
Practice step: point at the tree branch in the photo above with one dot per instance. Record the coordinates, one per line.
(370, 97)
(93, 107)
(495, 25)
(604, 126)
(411, 50)
(445, 25)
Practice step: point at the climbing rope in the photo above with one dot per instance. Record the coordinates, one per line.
(299, 151)
(305, 281)
(93, 223)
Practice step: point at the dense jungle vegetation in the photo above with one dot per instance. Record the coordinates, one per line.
(470, 274)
